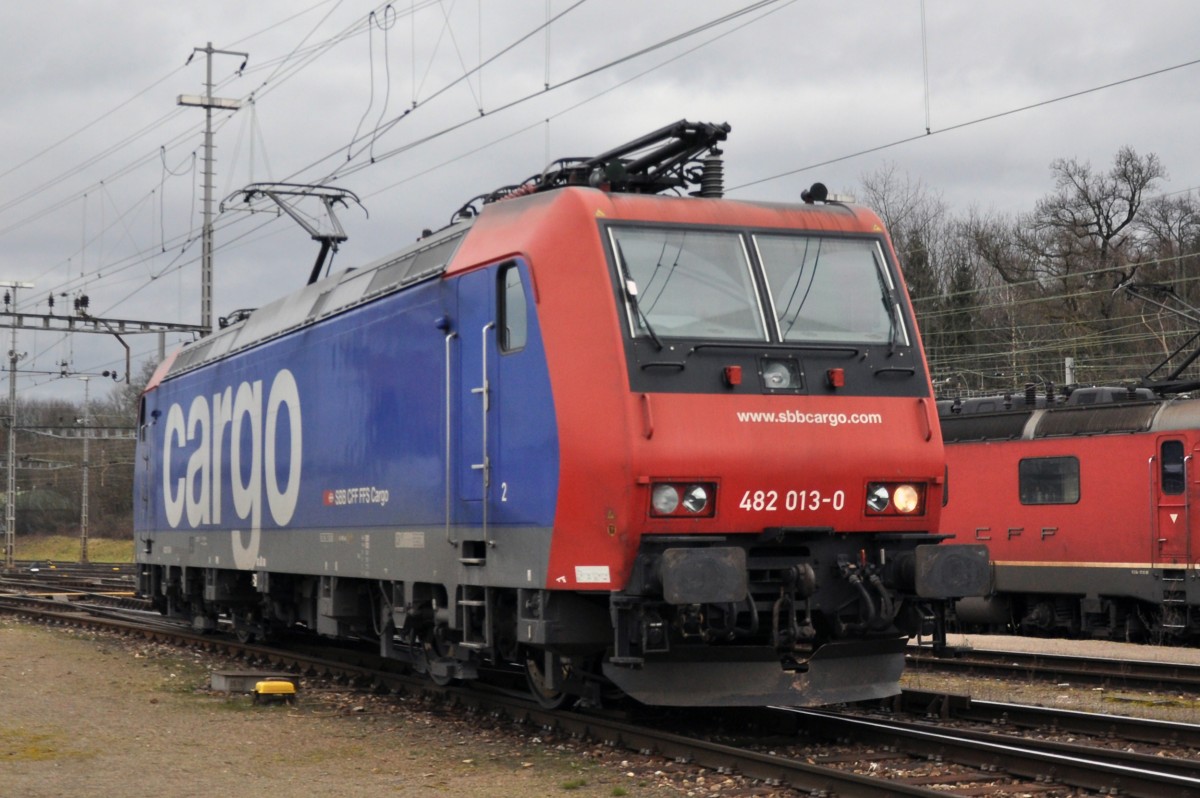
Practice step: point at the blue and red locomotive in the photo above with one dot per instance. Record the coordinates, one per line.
(681, 445)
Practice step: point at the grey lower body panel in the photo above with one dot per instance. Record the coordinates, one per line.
(836, 673)
(511, 556)
(1142, 584)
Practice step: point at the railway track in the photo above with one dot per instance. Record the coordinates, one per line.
(951, 753)
(1183, 738)
(107, 585)
(868, 750)
(71, 569)
(1144, 674)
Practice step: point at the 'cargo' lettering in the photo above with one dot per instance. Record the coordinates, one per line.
(236, 417)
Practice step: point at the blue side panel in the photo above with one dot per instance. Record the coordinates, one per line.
(527, 457)
(342, 425)
(522, 440)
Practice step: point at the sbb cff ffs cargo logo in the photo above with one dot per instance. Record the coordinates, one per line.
(241, 420)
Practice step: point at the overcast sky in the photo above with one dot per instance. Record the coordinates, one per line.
(100, 169)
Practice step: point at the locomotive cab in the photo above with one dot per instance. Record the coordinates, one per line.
(788, 477)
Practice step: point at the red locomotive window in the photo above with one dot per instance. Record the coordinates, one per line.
(1049, 480)
(1173, 481)
(689, 283)
(830, 289)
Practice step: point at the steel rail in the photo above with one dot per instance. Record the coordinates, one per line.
(1164, 733)
(1093, 670)
(1091, 768)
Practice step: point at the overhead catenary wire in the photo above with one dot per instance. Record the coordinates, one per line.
(969, 123)
(705, 27)
(574, 106)
(342, 173)
(677, 37)
(925, 64)
(187, 134)
(272, 81)
(384, 127)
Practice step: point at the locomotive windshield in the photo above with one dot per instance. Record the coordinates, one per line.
(690, 283)
(683, 283)
(829, 289)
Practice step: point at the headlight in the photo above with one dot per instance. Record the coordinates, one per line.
(780, 374)
(776, 376)
(683, 499)
(878, 497)
(906, 499)
(895, 498)
(664, 499)
(696, 499)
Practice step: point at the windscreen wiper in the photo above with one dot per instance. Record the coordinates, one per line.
(897, 331)
(631, 295)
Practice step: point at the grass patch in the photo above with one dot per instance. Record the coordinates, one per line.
(234, 703)
(574, 784)
(65, 549)
(175, 674)
(314, 756)
(184, 680)
(619, 792)
(17, 745)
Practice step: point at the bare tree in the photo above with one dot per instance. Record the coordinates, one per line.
(1004, 300)
(1085, 228)
(914, 217)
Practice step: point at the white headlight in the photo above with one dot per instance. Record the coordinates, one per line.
(664, 499)
(776, 375)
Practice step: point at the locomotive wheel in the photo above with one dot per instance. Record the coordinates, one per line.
(535, 676)
(431, 649)
(246, 627)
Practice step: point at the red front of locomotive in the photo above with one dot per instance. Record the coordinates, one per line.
(750, 467)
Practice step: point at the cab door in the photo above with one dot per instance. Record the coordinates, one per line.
(477, 427)
(496, 391)
(505, 463)
(1170, 521)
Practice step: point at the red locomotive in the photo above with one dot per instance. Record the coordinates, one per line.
(1086, 505)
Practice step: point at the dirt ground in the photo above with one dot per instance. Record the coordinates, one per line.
(85, 714)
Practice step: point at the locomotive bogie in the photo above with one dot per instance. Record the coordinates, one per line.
(532, 441)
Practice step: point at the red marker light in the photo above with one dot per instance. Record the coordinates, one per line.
(733, 375)
(836, 378)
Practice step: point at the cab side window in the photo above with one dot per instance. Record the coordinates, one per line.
(1172, 465)
(514, 319)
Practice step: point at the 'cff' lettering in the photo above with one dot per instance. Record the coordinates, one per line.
(233, 420)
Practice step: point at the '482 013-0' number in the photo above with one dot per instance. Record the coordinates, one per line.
(768, 501)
